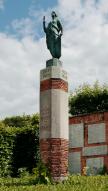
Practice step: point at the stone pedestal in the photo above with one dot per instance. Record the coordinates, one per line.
(54, 119)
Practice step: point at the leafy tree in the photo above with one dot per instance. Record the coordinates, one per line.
(88, 99)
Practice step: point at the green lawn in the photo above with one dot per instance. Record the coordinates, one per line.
(74, 183)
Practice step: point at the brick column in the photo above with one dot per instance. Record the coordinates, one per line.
(54, 119)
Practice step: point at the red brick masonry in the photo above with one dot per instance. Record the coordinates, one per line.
(54, 153)
(54, 84)
(90, 119)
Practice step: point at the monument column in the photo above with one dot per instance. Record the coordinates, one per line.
(54, 119)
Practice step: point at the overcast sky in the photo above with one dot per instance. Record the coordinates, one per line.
(23, 51)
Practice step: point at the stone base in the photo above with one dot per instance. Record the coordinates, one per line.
(60, 179)
(53, 62)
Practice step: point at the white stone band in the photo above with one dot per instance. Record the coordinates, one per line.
(53, 72)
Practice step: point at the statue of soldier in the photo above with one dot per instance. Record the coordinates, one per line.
(53, 32)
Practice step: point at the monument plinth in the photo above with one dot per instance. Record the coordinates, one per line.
(54, 136)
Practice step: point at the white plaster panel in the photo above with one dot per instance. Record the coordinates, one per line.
(95, 150)
(76, 135)
(75, 162)
(95, 164)
(45, 114)
(96, 133)
(53, 72)
(59, 114)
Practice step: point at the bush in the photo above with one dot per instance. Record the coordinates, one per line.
(22, 172)
(42, 173)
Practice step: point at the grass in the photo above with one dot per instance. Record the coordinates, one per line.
(74, 183)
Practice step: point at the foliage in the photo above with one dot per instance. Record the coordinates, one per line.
(88, 171)
(6, 147)
(103, 170)
(22, 121)
(89, 99)
(26, 149)
(22, 172)
(19, 147)
(74, 183)
(42, 173)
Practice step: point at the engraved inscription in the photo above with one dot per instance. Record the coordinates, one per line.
(53, 72)
(95, 164)
(96, 133)
(76, 135)
(95, 150)
(45, 117)
(45, 73)
(75, 162)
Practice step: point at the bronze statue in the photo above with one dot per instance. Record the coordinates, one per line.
(53, 32)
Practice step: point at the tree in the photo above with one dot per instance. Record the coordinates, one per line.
(89, 99)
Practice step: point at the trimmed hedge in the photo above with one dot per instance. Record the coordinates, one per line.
(22, 121)
(19, 147)
(7, 137)
(26, 149)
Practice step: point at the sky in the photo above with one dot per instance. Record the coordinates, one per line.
(23, 51)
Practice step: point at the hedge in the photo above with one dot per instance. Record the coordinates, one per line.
(19, 148)
(7, 137)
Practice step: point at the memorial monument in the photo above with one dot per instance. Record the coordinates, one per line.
(54, 138)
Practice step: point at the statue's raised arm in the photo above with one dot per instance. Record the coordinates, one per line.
(53, 32)
(44, 26)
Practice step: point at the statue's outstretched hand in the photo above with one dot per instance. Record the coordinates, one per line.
(44, 19)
